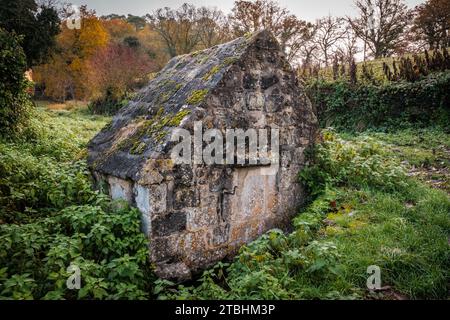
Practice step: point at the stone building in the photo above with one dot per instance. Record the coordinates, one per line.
(197, 214)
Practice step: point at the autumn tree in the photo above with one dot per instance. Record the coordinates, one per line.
(432, 23)
(113, 16)
(178, 28)
(64, 75)
(251, 16)
(116, 69)
(381, 25)
(212, 26)
(138, 22)
(154, 45)
(118, 29)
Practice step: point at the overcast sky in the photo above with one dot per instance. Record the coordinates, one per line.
(304, 9)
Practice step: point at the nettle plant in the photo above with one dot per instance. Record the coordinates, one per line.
(104, 242)
(365, 162)
(51, 218)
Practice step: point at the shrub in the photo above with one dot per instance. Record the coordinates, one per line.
(14, 102)
(50, 218)
(357, 219)
(104, 241)
(358, 107)
(109, 104)
(362, 163)
(112, 72)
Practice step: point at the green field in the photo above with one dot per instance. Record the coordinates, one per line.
(376, 199)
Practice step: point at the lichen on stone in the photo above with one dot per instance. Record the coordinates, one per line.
(230, 60)
(211, 73)
(196, 53)
(168, 89)
(154, 128)
(215, 69)
(248, 35)
(177, 118)
(202, 60)
(197, 96)
(138, 147)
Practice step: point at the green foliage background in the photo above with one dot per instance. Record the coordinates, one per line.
(391, 105)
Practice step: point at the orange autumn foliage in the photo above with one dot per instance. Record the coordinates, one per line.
(118, 29)
(104, 57)
(63, 77)
(116, 69)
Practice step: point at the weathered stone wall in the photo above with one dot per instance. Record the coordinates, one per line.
(196, 215)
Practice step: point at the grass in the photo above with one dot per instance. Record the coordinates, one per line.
(367, 207)
(424, 152)
(367, 211)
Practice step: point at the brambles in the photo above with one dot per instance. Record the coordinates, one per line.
(418, 66)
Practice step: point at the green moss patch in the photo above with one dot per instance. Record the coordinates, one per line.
(211, 73)
(154, 129)
(197, 96)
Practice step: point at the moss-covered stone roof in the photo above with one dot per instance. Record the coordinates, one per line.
(141, 130)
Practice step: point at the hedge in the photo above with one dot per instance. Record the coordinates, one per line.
(396, 104)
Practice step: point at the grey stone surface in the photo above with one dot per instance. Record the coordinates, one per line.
(196, 215)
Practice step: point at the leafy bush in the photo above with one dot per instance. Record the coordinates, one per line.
(50, 218)
(40, 176)
(106, 243)
(365, 211)
(398, 104)
(29, 184)
(109, 105)
(14, 102)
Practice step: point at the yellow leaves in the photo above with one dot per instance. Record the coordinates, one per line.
(56, 77)
(76, 65)
(356, 224)
(328, 135)
(333, 230)
(89, 61)
(118, 29)
(65, 75)
(259, 258)
(92, 36)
